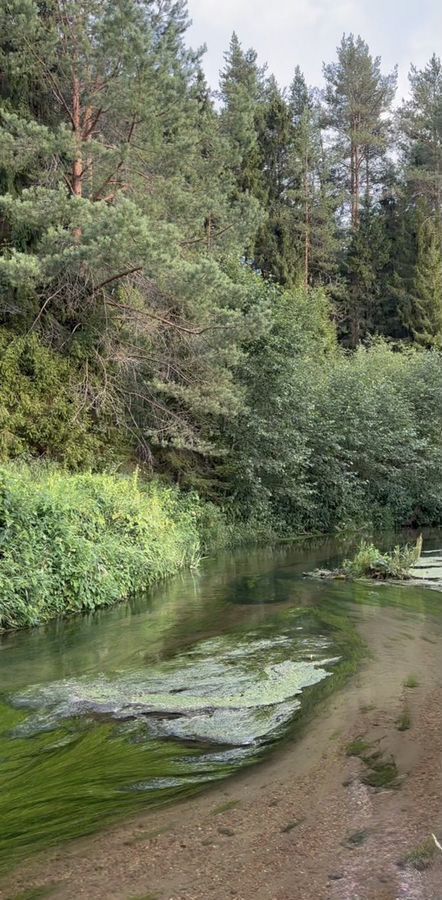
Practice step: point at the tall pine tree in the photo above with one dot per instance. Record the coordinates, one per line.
(358, 100)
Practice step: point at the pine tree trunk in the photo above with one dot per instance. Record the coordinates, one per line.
(356, 188)
(367, 177)
(352, 184)
(307, 227)
(77, 168)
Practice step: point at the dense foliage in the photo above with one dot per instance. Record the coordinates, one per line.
(240, 293)
(371, 562)
(78, 542)
(345, 439)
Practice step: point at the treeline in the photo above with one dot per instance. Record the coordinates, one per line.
(240, 290)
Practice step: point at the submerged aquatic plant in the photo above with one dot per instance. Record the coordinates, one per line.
(102, 746)
(403, 722)
(233, 692)
(420, 857)
(411, 682)
(357, 747)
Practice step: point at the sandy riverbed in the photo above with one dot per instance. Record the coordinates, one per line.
(301, 826)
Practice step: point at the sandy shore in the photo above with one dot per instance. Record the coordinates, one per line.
(303, 825)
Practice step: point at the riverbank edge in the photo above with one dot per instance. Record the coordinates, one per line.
(72, 543)
(75, 542)
(330, 575)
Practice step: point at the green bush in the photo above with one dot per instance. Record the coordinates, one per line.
(334, 439)
(370, 561)
(78, 542)
(41, 411)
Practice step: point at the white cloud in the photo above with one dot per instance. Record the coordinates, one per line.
(287, 33)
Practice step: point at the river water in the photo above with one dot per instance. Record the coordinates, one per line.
(147, 702)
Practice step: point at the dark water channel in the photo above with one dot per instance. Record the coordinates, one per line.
(138, 705)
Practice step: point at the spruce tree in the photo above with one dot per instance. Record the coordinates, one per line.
(363, 265)
(427, 306)
(274, 250)
(421, 126)
(241, 89)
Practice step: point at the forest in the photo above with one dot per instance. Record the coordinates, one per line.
(237, 290)
(220, 457)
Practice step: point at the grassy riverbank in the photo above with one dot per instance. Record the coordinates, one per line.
(83, 541)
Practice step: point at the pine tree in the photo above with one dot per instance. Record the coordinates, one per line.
(296, 242)
(118, 217)
(358, 100)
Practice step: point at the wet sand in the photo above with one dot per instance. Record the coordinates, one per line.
(303, 825)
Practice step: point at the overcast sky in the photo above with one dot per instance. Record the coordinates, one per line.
(305, 32)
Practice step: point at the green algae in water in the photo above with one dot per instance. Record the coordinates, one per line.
(403, 722)
(232, 691)
(77, 755)
(37, 893)
(68, 772)
(76, 779)
(381, 771)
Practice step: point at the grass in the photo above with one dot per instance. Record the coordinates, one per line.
(369, 561)
(420, 857)
(403, 722)
(224, 807)
(381, 771)
(73, 542)
(357, 747)
(411, 682)
(356, 839)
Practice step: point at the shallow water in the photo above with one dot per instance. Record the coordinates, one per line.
(141, 704)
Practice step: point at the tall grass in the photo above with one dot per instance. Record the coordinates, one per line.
(370, 561)
(78, 542)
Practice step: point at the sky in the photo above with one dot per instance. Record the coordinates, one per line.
(287, 33)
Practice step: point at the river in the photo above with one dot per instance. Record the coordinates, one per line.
(137, 706)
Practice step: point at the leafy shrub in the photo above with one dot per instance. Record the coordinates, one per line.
(329, 439)
(370, 561)
(41, 412)
(73, 542)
